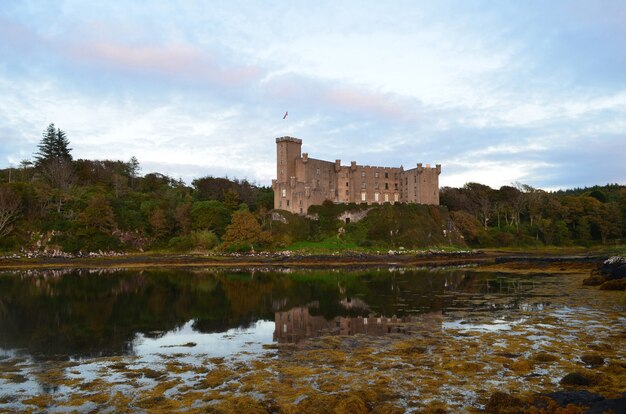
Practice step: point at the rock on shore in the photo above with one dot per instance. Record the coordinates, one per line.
(611, 275)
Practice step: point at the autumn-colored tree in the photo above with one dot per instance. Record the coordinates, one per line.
(469, 226)
(534, 202)
(245, 230)
(159, 224)
(480, 197)
(98, 216)
(609, 221)
(182, 214)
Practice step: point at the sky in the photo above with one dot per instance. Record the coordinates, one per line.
(496, 92)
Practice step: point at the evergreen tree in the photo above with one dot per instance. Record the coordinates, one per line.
(47, 145)
(54, 145)
(62, 146)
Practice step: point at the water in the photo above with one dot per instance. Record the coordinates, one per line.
(82, 313)
(133, 328)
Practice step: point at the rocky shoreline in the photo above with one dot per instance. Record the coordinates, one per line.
(285, 258)
(611, 275)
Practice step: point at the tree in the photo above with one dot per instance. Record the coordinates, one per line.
(512, 202)
(54, 145)
(54, 161)
(25, 166)
(583, 230)
(58, 172)
(98, 216)
(210, 215)
(231, 199)
(158, 223)
(183, 218)
(133, 169)
(480, 198)
(245, 230)
(10, 205)
(535, 199)
(609, 221)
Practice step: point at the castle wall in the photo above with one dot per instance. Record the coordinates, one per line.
(376, 184)
(302, 181)
(422, 184)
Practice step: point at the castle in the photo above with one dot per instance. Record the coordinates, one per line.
(302, 181)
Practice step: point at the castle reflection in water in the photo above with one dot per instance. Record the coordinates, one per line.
(297, 324)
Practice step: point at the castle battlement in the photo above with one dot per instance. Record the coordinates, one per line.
(373, 167)
(303, 181)
(288, 139)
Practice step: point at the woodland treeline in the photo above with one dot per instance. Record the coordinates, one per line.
(520, 215)
(91, 205)
(56, 202)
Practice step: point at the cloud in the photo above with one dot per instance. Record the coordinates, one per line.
(169, 60)
(494, 93)
(328, 96)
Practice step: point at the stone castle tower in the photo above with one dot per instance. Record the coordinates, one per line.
(302, 181)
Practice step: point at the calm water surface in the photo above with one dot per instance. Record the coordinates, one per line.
(88, 317)
(87, 313)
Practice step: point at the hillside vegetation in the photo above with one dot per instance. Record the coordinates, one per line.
(57, 203)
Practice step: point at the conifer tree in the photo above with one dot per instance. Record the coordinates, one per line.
(54, 145)
(62, 146)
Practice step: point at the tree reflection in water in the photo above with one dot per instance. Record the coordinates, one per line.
(99, 313)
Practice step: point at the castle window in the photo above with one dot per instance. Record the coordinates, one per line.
(386, 198)
(287, 203)
(284, 193)
(347, 192)
(406, 181)
(376, 175)
(396, 185)
(300, 210)
(376, 196)
(318, 183)
(281, 171)
(386, 186)
(396, 197)
(281, 162)
(317, 171)
(386, 175)
(363, 196)
(347, 184)
(362, 184)
(362, 173)
(377, 186)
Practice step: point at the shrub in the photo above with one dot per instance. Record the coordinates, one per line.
(199, 240)
(93, 242)
(204, 239)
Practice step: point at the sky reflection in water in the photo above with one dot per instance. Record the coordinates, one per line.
(82, 313)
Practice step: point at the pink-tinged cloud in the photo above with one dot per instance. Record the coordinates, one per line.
(366, 101)
(354, 99)
(172, 60)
